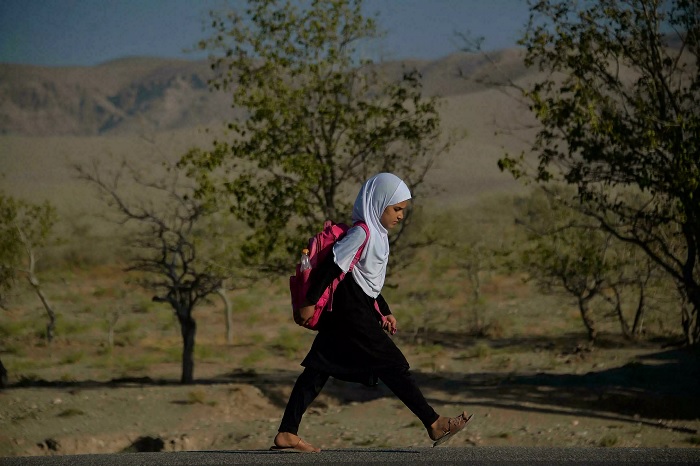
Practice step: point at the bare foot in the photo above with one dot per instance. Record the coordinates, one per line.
(290, 442)
(445, 427)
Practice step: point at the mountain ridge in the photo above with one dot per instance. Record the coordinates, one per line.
(129, 94)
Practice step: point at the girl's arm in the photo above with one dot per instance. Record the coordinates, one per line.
(390, 324)
(383, 306)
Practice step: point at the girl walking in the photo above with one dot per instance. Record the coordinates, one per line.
(352, 343)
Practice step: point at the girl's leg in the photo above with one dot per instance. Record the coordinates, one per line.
(305, 391)
(403, 385)
(440, 429)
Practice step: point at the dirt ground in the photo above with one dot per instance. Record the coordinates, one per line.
(607, 396)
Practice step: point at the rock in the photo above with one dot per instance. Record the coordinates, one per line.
(52, 444)
(145, 444)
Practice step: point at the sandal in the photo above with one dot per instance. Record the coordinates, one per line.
(454, 425)
(300, 447)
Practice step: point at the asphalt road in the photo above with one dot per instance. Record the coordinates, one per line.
(474, 456)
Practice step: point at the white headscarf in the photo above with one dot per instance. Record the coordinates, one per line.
(376, 194)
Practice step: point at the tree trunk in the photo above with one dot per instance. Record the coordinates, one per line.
(693, 334)
(112, 323)
(690, 321)
(691, 324)
(3, 376)
(639, 315)
(626, 332)
(588, 321)
(34, 281)
(476, 298)
(188, 329)
(228, 315)
(624, 326)
(51, 326)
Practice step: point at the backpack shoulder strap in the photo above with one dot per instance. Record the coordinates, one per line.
(364, 226)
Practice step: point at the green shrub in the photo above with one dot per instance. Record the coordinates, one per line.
(206, 352)
(495, 329)
(66, 327)
(146, 305)
(254, 357)
(256, 338)
(12, 329)
(289, 343)
(135, 364)
(199, 397)
(71, 412)
(244, 304)
(100, 292)
(480, 351)
(15, 350)
(608, 440)
(72, 358)
(252, 318)
(129, 326)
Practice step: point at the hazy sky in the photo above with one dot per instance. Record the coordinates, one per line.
(89, 32)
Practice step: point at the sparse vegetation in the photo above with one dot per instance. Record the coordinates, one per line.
(473, 330)
(252, 358)
(289, 343)
(540, 335)
(168, 254)
(72, 358)
(617, 121)
(24, 230)
(71, 412)
(199, 397)
(609, 440)
(143, 340)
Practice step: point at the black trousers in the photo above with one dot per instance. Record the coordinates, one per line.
(310, 383)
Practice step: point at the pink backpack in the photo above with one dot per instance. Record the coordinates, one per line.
(320, 245)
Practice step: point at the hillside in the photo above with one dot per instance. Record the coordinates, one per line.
(136, 94)
(52, 118)
(116, 97)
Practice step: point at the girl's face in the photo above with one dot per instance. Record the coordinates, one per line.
(393, 215)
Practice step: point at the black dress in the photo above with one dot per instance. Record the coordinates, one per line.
(351, 346)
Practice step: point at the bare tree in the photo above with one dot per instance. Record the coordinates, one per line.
(567, 252)
(24, 228)
(168, 251)
(30, 273)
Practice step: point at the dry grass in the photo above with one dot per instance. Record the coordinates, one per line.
(517, 371)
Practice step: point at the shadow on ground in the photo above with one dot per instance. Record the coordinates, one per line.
(654, 389)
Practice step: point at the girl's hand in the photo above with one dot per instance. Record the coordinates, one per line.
(303, 314)
(390, 324)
